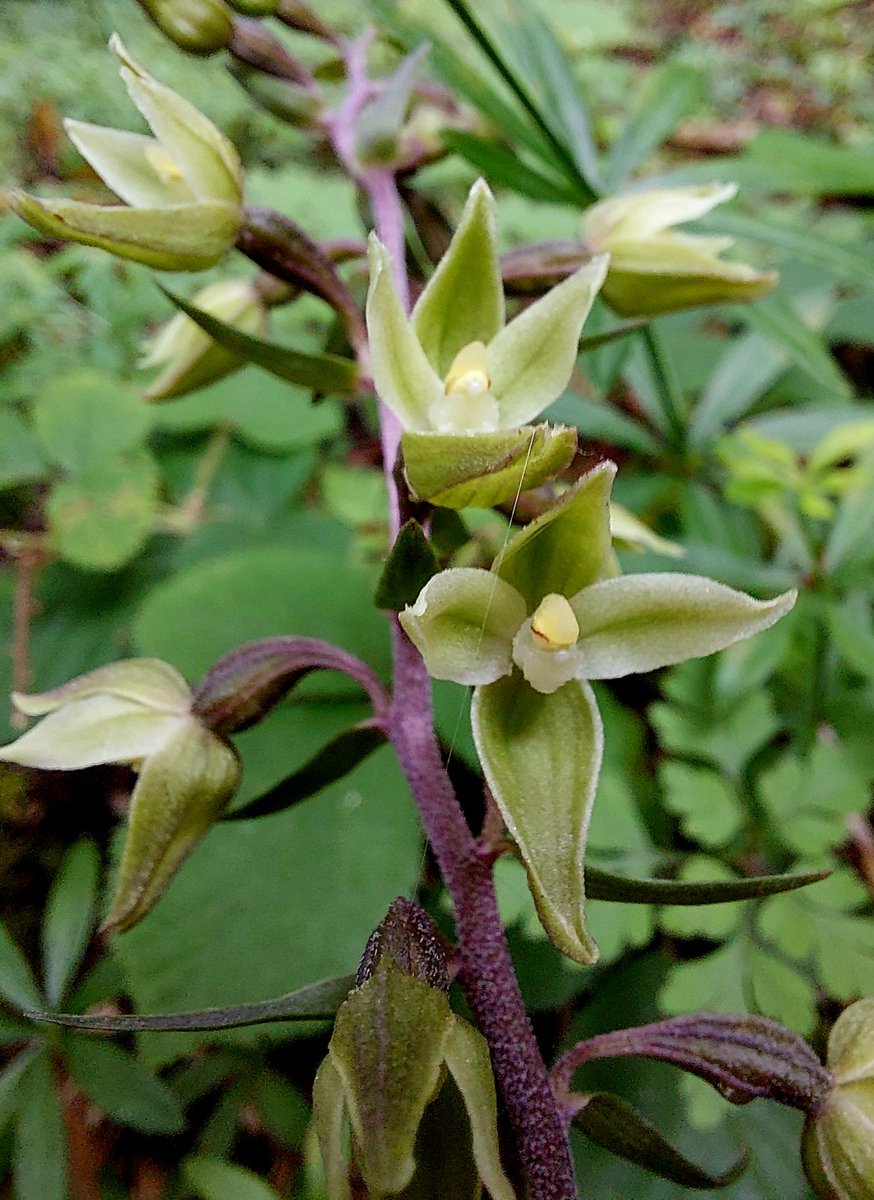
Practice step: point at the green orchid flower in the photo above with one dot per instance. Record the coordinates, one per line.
(529, 635)
(655, 270)
(138, 712)
(462, 382)
(182, 189)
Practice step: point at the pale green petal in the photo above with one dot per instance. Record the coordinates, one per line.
(210, 163)
(86, 733)
(640, 622)
(851, 1043)
(639, 215)
(182, 790)
(531, 360)
(402, 375)
(329, 1105)
(670, 254)
(150, 682)
(463, 301)
(631, 533)
(123, 162)
(463, 625)
(567, 547)
(190, 237)
(541, 756)
(467, 1057)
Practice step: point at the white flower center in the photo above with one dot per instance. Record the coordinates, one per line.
(163, 164)
(467, 405)
(545, 648)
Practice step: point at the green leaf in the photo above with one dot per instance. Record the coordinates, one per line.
(214, 1179)
(669, 93)
(614, 1124)
(851, 529)
(10, 1084)
(410, 564)
(336, 759)
(839, 944)
(777, 320)
(568, 547)
(730, 742)
(85, 418)
(100, 518)
(315, 1002)
(541, 755)
(720, 920)
(317, 372)
(805, 165)
(17, 984)
(808, 799)
(746, 370)
(463, 301)
(21, 457)
(503, 168)
(604, 885)
(69, 918)
(852, 634)
(40, 1152)
(124, 1089)
(482, 470)
(705, 803)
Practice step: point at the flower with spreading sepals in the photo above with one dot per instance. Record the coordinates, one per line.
(190, 357)
(838, 1142)
(456, 375)
(394, 1040)
(182, 188)
(529, 634)
(137, 712)
(654, 269)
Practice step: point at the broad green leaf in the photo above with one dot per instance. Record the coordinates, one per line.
(21, 456)
(122, 1087)
(809, 799)
(852, 634)
(541, 755)
(282, 1108)
(839, 944)
(40, 1152)
(463, 624)
(777, 320)
(100, 518)
(69, 918)
(640, 622)
(503, 168)
(467, 1058)
(604, 885)
(614, 1124)
(17, 984)
(463, 471)
(214, 1179)
(463, 301)
(669, 93)
(86, 418)
(388, 1046)
(601, 422)
(705, 803)
(850, 532)
(565, 549)
(318, 372)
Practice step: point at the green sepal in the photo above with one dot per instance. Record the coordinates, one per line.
(463, 624)
(463, 301)
(388, 1049)
(318, 372)
(613, 1123)
(315, 1002)
(604, 885)
(650, 291)
(181, 791)
(329, 1110)
(541, 755)
(149, 682)
(485, 469)
(409, 566)
(333, 761)
(568, 547)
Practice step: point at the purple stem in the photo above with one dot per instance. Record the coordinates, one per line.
(486, 971)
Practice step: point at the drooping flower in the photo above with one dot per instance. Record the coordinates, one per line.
(529, 635)
(182, 188)
(653, 268)
(138, 712)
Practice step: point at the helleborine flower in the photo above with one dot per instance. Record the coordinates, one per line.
(190, 357)
(182, 188)
(394, 1039)
(137, 712)
(528, 635)
(454, 368)
(838, 1142)
(655, 270)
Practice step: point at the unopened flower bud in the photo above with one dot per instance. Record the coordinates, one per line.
(838, 1142)
(197, 26)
